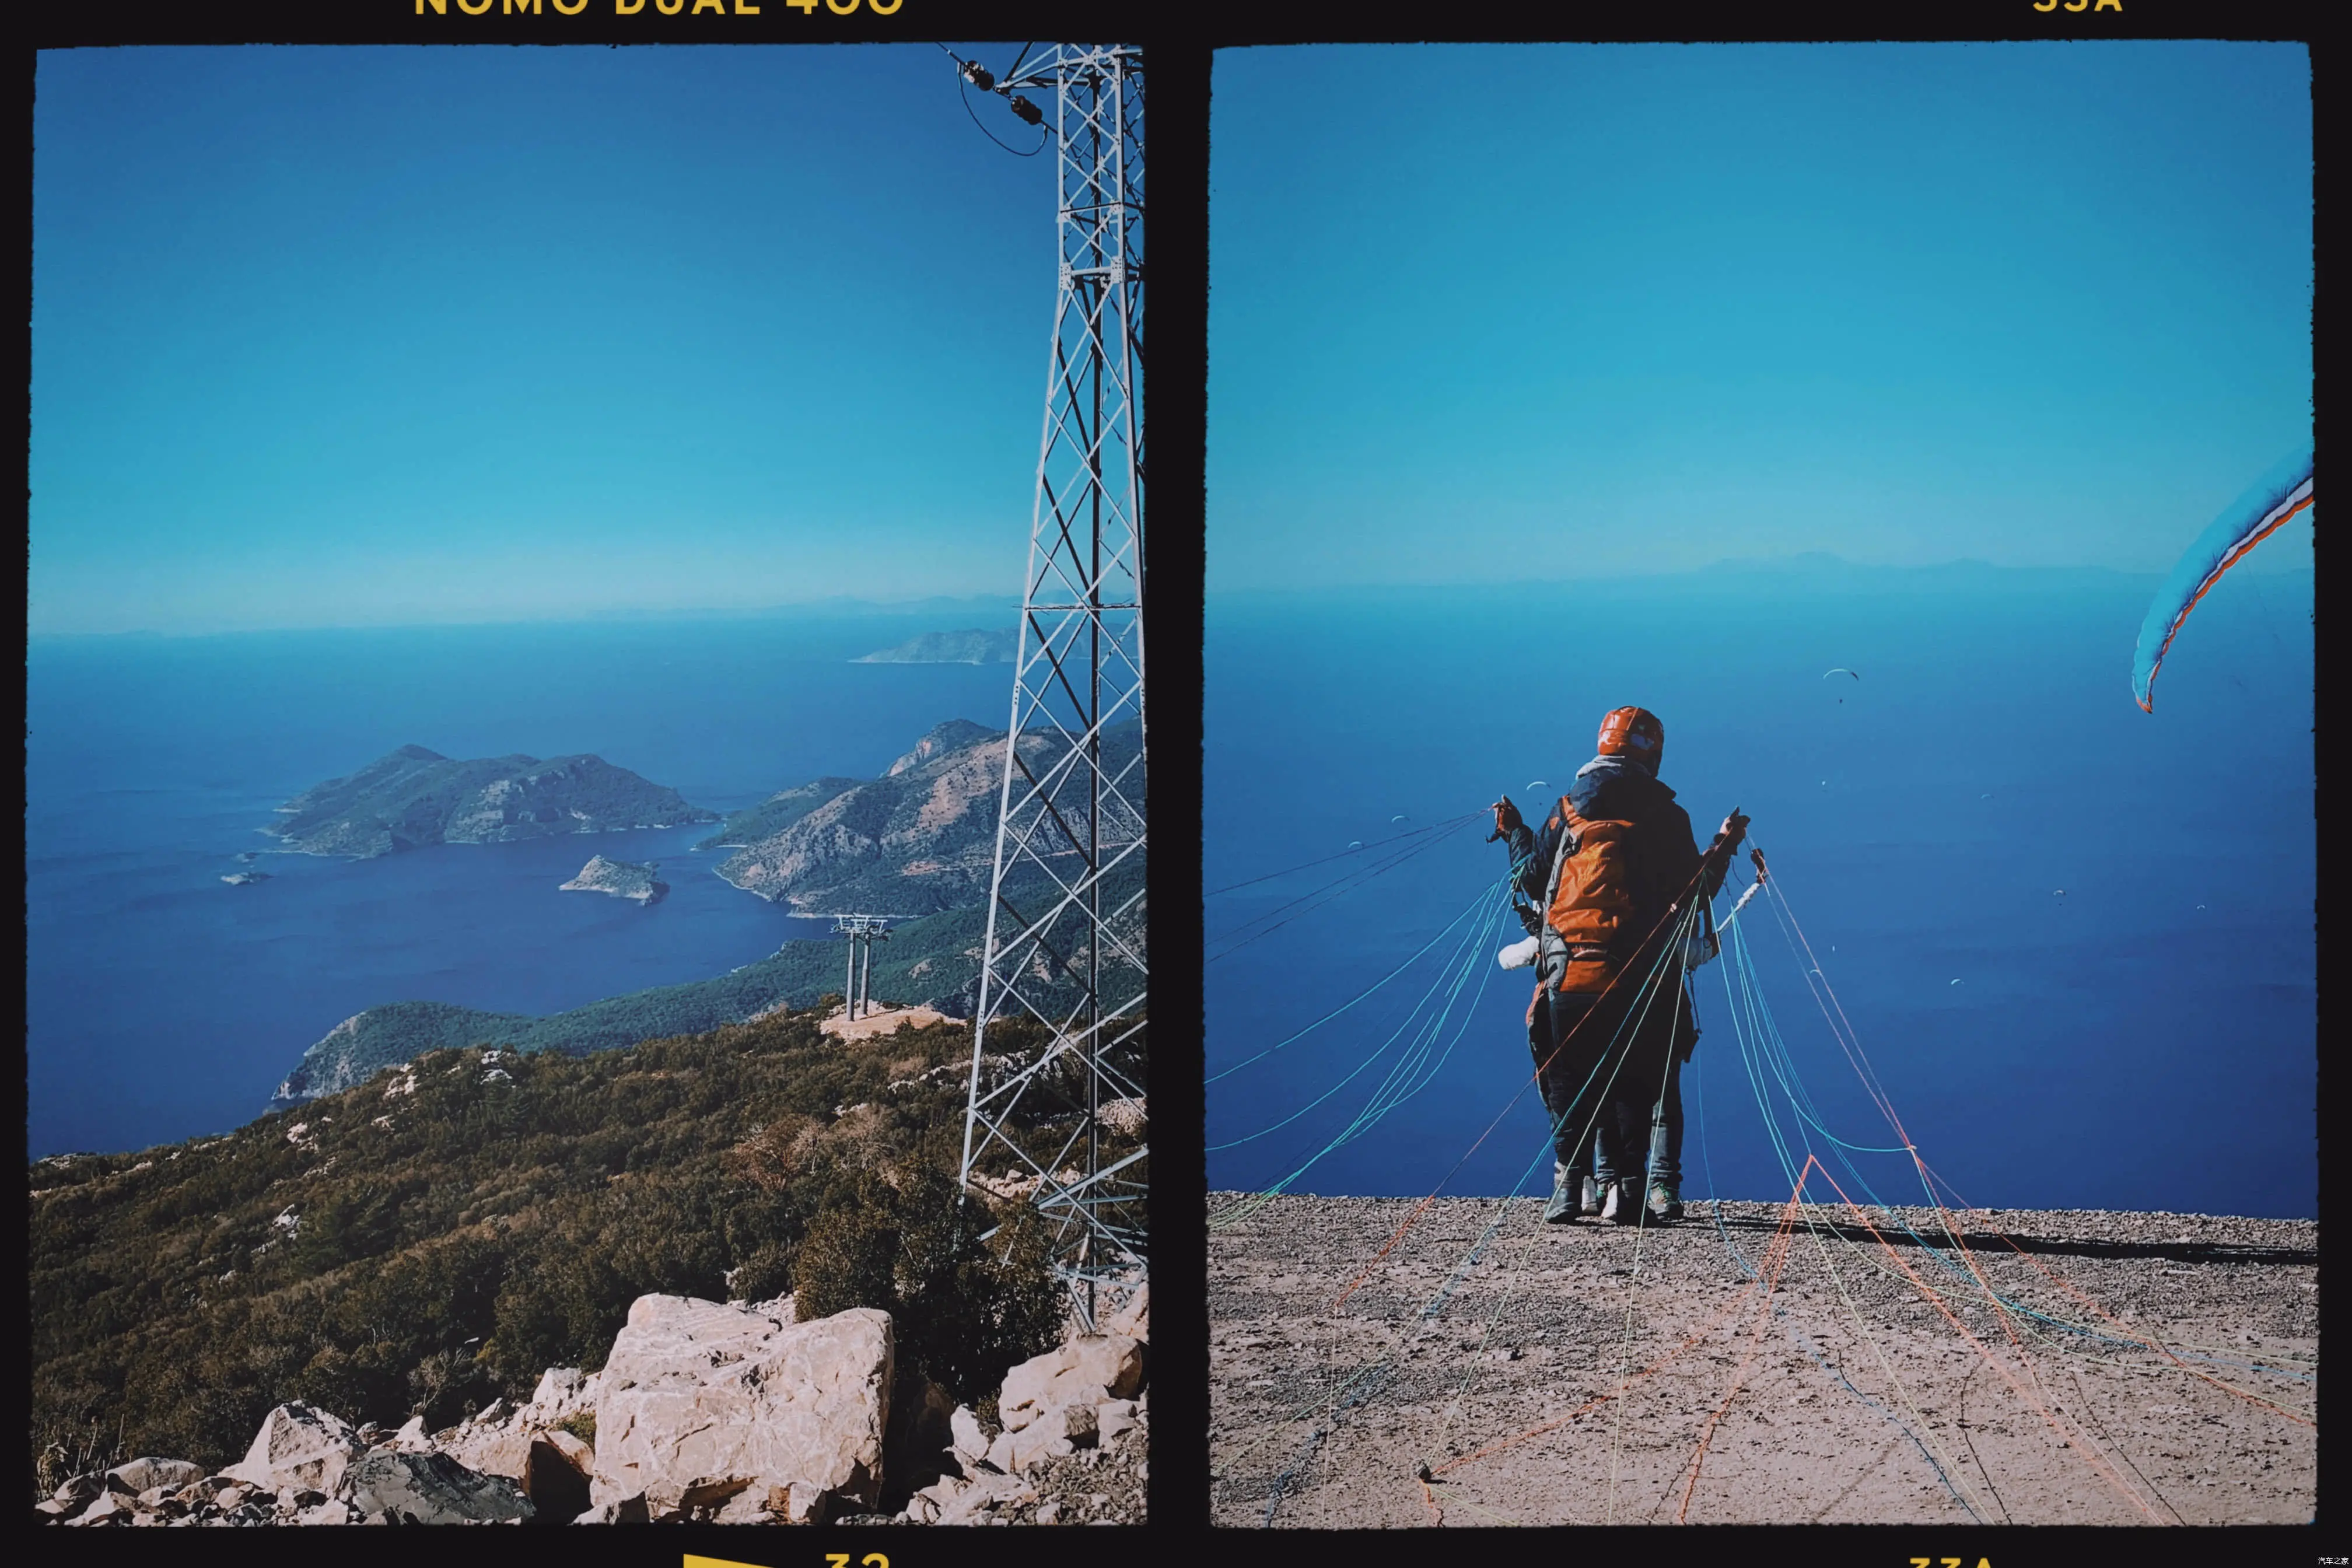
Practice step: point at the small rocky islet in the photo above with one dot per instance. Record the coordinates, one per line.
(619, 879)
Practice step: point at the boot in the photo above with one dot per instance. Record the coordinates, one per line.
(1617, 1207)
(1561, 1209)
(1666, 1203)
(1592, 1204)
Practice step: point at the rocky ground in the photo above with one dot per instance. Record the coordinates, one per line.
(730, 1412)
(1586, 1375)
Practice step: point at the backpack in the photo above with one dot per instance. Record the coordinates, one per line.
(1589, 897)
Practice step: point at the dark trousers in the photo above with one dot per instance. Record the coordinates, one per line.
(1657, 1127)
(1633, 1102)
(1569, 1040)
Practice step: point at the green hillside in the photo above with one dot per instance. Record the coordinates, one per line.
(395, 1249)
(925, 961)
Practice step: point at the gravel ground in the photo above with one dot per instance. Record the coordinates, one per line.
(1848, 1395)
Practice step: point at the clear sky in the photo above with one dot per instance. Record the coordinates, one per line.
(1491, 313)
(339, 336)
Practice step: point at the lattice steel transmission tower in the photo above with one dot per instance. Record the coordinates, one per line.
(1060, 1104)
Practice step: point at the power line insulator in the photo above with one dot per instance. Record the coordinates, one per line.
(1028, 110)
(979, 75)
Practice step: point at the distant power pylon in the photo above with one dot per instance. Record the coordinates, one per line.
(863, 931)
(1067, 897)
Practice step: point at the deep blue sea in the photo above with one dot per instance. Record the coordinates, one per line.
(2145, 1040)
(162, 1003)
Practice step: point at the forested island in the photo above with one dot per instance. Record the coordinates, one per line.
(413, 797)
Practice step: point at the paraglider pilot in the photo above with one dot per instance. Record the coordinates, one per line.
(1613, 861)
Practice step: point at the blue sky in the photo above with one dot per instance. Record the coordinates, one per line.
(327, 337)
(1496, 313)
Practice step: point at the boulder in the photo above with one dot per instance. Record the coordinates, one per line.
(141, 1474)
(1112, 1418)
(76, 1490)
(580, 1456)
(432, 1489)
(411, 1439)
(620, 1511)
(563, 1393)
(492, 1448)
(700, 1399)
(555, 1482)
(1057, 1433)
(967, 1441)
(298, 1446)
(1084, 1370)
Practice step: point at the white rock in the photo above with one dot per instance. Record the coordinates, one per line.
(411, 1439)
(299, 1446)
(1057, 1434)
(969, 1443)
(1134, 1320)
(700, 1399)
(985, 1493)
(580, 1455)
(1085, 1371)
(620, 1511)
(1113, 1417)
(559, 1394)
(139, 1475)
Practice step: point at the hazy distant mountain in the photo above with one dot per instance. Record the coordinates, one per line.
(414, 797)
(969, 647)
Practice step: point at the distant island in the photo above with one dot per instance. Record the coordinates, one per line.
(969, 647)
(245, 878)
(621, 879)
(919, 842)
(414, 797)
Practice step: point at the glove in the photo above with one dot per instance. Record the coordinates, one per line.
(1734, 829)
(1507, 819)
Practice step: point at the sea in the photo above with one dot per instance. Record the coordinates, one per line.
(162, 1003)
(2073, 942)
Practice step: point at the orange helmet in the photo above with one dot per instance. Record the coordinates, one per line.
(1633, 732)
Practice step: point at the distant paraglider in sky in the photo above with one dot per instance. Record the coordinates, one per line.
(1841, 669)
(1355, 844)
(1534, 783)
(2279, 495)
(1398, 817)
